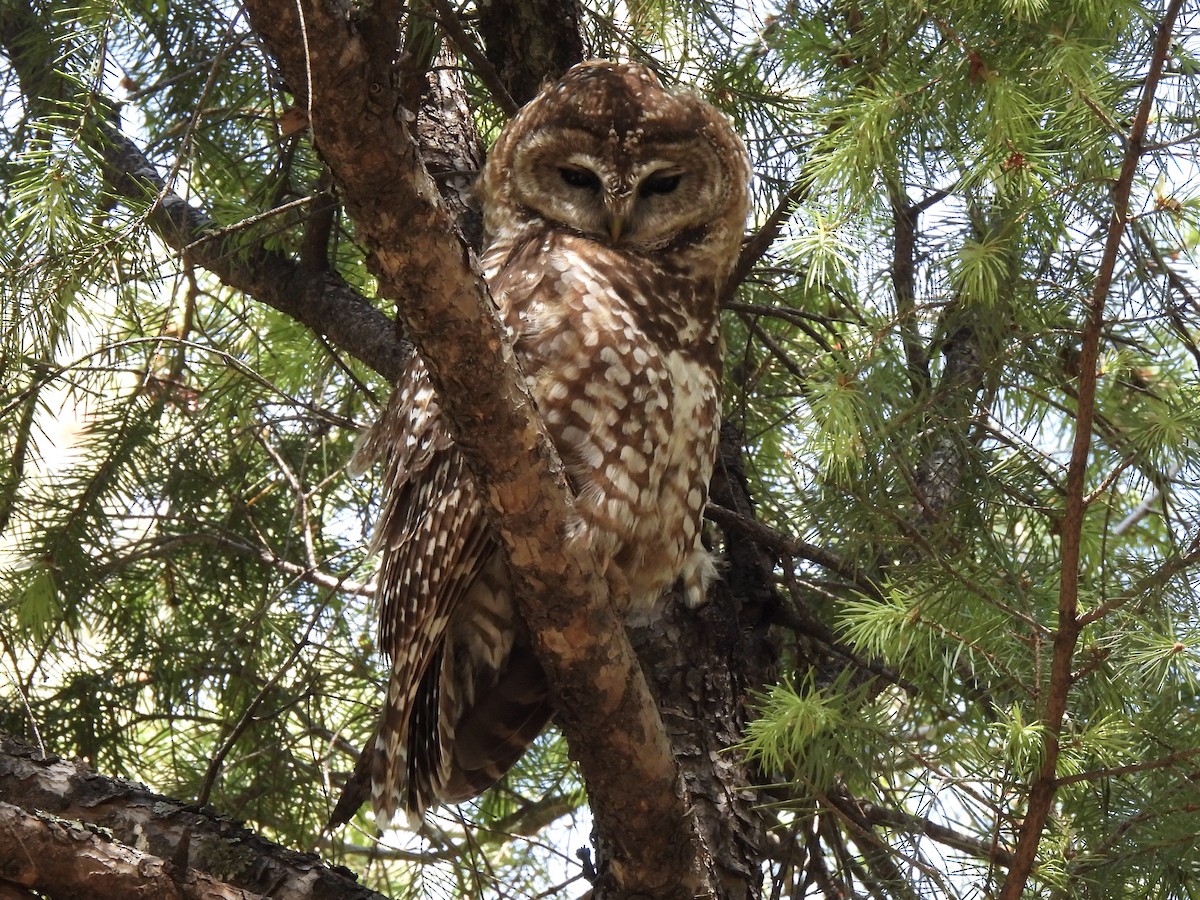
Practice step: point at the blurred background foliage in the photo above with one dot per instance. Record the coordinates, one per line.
(184, 597)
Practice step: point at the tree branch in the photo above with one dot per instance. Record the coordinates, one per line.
(907, 822)
(1041, 794)
(529, 40)
(190, 847)
(904, 222)
(465, 44)
(773, 540)
(58, 856)
(608, 715)
(760, 242)
(320, 300)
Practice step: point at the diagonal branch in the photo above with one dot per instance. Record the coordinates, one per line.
(465, 44)
(61, 856)
(320, 300)
(608, 715)
(194, 840)
(760, 242)
(1041, 794)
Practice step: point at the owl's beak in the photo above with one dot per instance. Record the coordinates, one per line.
(619, 206)
(616, 223)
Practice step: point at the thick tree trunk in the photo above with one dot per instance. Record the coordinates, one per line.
(701, 665)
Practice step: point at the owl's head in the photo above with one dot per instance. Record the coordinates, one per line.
(608, 153)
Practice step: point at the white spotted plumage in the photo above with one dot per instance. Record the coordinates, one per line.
(613, 212)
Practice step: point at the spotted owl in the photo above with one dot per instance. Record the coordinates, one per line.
(613, 214)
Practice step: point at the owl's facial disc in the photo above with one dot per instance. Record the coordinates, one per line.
(633, 189)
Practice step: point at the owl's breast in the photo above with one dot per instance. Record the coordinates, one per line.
(634, 417)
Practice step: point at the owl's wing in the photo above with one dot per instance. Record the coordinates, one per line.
(466, 696)
(434, 540)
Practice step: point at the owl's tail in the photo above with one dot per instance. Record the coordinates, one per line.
(455, 743)
(493, 732)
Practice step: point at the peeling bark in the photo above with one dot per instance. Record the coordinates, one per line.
(450, 146)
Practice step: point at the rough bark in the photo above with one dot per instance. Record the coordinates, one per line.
(941, 468)
(68, 832)
(60, 858)
(528, 41)
(450, 145)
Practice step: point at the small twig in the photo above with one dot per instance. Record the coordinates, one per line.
(218, 760)
(558, 888)
(1143, 509)
(1110, 479)
(164, 547)
(293, 480)
(245, 223)
(228, 359)
(755, 248)
(376, 851)
(777, 542)
(1117, 771)
(1143, 587)
(775, 349)
(801, 620)
(1101, 114)
(1178, 284)
(943, 834)
(14, 676)
(795, 317)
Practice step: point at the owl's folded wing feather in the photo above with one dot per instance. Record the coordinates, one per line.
(423, 578)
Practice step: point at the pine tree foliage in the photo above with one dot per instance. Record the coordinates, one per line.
(964, 156)
(184, 594)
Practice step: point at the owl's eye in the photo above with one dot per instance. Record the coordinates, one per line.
(580, 178)
(659, 184)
